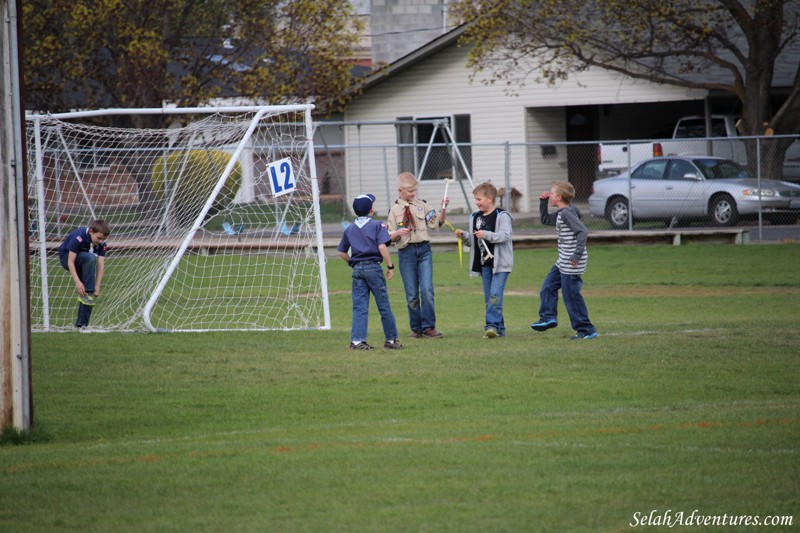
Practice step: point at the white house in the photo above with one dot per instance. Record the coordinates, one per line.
(434, 82)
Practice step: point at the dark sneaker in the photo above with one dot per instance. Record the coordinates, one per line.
(431, 333)
(416, 335)
(86, 299)
(360, 346)
(393, 345)
(584, 336)
(544, 325)
(490, 333)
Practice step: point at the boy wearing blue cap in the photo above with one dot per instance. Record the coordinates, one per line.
(366, 239)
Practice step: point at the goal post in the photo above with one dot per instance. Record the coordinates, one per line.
(215, 219)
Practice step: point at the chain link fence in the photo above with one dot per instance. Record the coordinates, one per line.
(675, 182)
(693, 182)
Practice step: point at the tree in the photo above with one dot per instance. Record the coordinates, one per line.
(145, 53)
(669, 42)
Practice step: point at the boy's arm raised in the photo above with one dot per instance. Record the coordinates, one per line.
(546, 217)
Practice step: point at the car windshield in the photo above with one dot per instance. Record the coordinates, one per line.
(721, 169)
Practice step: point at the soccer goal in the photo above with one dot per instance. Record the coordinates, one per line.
(215, 218)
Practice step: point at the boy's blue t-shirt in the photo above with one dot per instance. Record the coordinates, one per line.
(80, 241)
(362, 238)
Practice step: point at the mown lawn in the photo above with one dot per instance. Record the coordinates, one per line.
(688, 402)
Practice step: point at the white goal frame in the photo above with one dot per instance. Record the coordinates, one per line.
(310, 240)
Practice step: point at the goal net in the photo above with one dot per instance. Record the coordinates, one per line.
(215, 219)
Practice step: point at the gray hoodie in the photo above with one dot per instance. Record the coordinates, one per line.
(501, 238)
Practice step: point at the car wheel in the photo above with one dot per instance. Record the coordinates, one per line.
(617, 212)
(723, 210)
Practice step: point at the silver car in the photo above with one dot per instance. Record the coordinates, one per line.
(692, 187)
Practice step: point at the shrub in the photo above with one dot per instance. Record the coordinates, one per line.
(194, 173)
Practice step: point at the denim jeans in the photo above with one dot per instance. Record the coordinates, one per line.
(86, 267)
(570, 285)
(84, 314)
(416, 269)
(494, 285)
(368, 278)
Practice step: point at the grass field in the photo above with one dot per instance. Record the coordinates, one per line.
(688, 402)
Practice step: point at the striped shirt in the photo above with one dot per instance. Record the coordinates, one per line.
(572, 236)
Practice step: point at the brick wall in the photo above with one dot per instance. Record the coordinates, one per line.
(108, 187)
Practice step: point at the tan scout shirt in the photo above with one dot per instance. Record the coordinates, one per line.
(419, 209)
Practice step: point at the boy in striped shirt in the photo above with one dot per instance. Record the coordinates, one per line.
(571, 263)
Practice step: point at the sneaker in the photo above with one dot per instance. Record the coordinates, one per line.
(393, 345)
(544, 325)
(416, 335)
(360, 346)
(86, 299)
(431, 333)
(584, 336)
(490, 333)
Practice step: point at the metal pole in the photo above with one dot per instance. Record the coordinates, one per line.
(386, 180)
(630, 189)
(312, 165)
(507, 174)
(42, 225)
(16, 351)
(758, 185)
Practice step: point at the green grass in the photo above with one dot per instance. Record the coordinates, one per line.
(689, 400)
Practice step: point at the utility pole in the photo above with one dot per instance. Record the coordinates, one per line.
(16, 403)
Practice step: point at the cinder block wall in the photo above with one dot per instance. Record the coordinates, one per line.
(401, 26)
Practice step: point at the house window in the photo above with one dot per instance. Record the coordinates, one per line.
(427, 151)
(406, 142)
(463, 133)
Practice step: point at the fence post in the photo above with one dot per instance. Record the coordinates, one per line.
(758, 179)
(386, 179)
(507, 174)
(630, 189)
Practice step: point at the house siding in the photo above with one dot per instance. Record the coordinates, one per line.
(440, 86)
(543, 123)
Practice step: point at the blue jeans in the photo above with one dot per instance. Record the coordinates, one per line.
(570, 285)
(416, 269)
(368, 278)
(493, 287)
(86, 267)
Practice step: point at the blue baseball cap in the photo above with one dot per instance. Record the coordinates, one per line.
(362, 204)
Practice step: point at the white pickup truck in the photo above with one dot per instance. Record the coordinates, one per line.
(689, 138)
